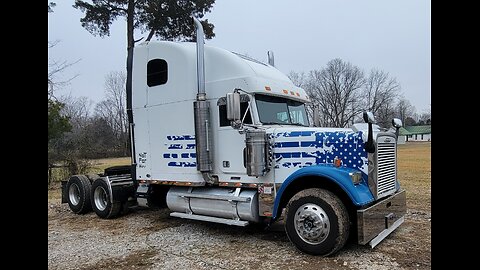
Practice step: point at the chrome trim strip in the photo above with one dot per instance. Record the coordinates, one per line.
(214, 197)
(241, 223)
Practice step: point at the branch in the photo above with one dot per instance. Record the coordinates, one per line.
(150, 35)
(52, 44)
(106, 3)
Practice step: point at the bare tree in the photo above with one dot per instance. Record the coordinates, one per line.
(404, 109)
(380, 93)
(70, 151)
(55, 69)
(379, 89)
(116, 95)
(298, 78)
(385, 114)
(77, 109)
(113, 109)
(425, 119)
(336, 90)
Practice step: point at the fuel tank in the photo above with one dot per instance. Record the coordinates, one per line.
(215, 202)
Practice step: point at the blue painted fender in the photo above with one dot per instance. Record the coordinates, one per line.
(359, 194)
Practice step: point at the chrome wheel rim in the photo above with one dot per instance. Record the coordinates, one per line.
(311, 223)
(74, 194)
(100, 198)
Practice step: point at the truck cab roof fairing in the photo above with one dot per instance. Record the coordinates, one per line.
(222, 65)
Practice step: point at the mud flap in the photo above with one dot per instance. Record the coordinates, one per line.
(64, 192)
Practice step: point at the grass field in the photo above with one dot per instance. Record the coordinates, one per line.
(415, 174)
(101, 164)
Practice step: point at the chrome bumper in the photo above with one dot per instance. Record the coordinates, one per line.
(379, 220)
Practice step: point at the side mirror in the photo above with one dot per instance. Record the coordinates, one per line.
(368, 117)
(397, 123)
(233, 106)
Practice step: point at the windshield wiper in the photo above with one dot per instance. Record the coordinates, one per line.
(298, 124)
(274, 123)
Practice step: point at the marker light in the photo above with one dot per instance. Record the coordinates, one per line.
(337, 162)
(356, 177)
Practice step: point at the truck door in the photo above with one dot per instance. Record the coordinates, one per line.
(231, 143)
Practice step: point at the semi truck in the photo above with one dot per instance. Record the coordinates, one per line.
(217, 136)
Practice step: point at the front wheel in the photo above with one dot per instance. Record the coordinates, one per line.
(317, 222)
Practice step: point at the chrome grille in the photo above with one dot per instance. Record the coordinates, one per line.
(386, 168)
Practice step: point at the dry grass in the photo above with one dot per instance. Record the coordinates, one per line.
(415, 174)
(55, 193)
(100, 164)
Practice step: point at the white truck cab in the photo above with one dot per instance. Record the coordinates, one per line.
(224, 138)
(169, 154)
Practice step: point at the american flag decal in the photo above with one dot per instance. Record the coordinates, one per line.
(181, 151)
(305, 148)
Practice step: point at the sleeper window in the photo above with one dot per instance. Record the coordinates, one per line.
(157, 72)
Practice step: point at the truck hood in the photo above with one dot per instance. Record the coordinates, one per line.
(297, 147)
(358, 127)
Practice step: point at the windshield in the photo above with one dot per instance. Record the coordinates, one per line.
(277, 110)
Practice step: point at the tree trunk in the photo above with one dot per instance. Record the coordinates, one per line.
(130, 14)
(130, 44)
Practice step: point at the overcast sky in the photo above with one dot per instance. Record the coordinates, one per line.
(393, 36)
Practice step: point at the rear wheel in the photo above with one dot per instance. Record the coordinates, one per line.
(101, 201)
(317, 222)
(79, 188)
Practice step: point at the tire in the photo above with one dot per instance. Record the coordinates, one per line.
(101, 202)
(78, 194)
(317, 222)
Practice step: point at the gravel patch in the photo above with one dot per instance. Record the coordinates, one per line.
(147, 239)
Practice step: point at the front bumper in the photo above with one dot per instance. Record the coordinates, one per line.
(379, 220)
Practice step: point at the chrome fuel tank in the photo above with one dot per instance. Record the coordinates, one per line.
(229, 203)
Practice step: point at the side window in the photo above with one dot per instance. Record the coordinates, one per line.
(222, 111)
(157, 72)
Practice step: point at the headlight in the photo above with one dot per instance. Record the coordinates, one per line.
(356, 177)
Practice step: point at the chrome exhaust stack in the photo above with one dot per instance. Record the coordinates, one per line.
(201, 108)
(200, 60)
(271, 59)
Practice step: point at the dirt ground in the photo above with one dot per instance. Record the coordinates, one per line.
(148, 239)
